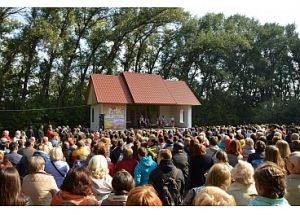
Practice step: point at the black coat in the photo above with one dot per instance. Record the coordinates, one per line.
(198, 167)
(181, 161)
(166, 166)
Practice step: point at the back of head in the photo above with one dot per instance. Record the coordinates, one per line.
(219, 175)
(213, 140)
(36, 163)
(122, 182)
(13, 146)
(178, 146)
(260, 146)
(56, 154)
(80, 143)
(294, 136)
(78, 181)
(295, 160)
(165, 154)
(98, 166)
(143, 196)
(142, 151)
(271, 180)
(10, 186)
(214, 196)
(272, 154)
(222, 156)
(284, 148)
(296, 145)
(199, 149)
(249, 142)
(127, 151)
(243, 173)
(101, 149)
(235, 147)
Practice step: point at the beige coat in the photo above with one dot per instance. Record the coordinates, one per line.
(40, 187)
(242, 194)
(293, 189)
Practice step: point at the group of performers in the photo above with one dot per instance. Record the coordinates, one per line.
(144, 121)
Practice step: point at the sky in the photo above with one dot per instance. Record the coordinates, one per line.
(282, 12)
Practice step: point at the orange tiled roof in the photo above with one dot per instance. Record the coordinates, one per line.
(110, 89)
(148, 89)
(138, 88)
(181, 93)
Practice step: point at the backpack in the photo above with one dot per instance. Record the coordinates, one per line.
(170, 193)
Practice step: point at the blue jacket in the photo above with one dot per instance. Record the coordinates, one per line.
(143, 169)
(263, 201)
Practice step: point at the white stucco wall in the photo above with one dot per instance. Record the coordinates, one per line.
(167, 111)
(98, 109)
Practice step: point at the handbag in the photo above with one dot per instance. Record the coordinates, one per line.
(57, 169)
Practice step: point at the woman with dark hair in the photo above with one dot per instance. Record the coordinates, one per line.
(10, 186)
(76, 188)
(221, 157)
(258, 156)
(122, 183)
(116, 152)
(199, 164)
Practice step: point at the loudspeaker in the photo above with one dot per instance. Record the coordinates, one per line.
(101, 121)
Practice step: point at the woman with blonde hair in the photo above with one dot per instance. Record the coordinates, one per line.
(57, 166)
(243, 188)
(186, 144)
(214, 196)
(284, 148)
(43, 151)
(144, 195)
(102, 181)
(272, 154)
(218, 176)
(248, 148)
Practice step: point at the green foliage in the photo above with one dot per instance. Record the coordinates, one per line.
(277, 111)
(235, 66)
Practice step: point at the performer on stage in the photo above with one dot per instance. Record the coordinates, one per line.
(172, 121)
(142, 121)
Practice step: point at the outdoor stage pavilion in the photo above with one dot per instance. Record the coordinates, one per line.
(117, 102)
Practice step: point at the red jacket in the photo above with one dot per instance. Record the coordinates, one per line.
(128, 164)
(111, 168)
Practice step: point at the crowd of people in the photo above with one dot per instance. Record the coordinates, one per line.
(247, 165)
